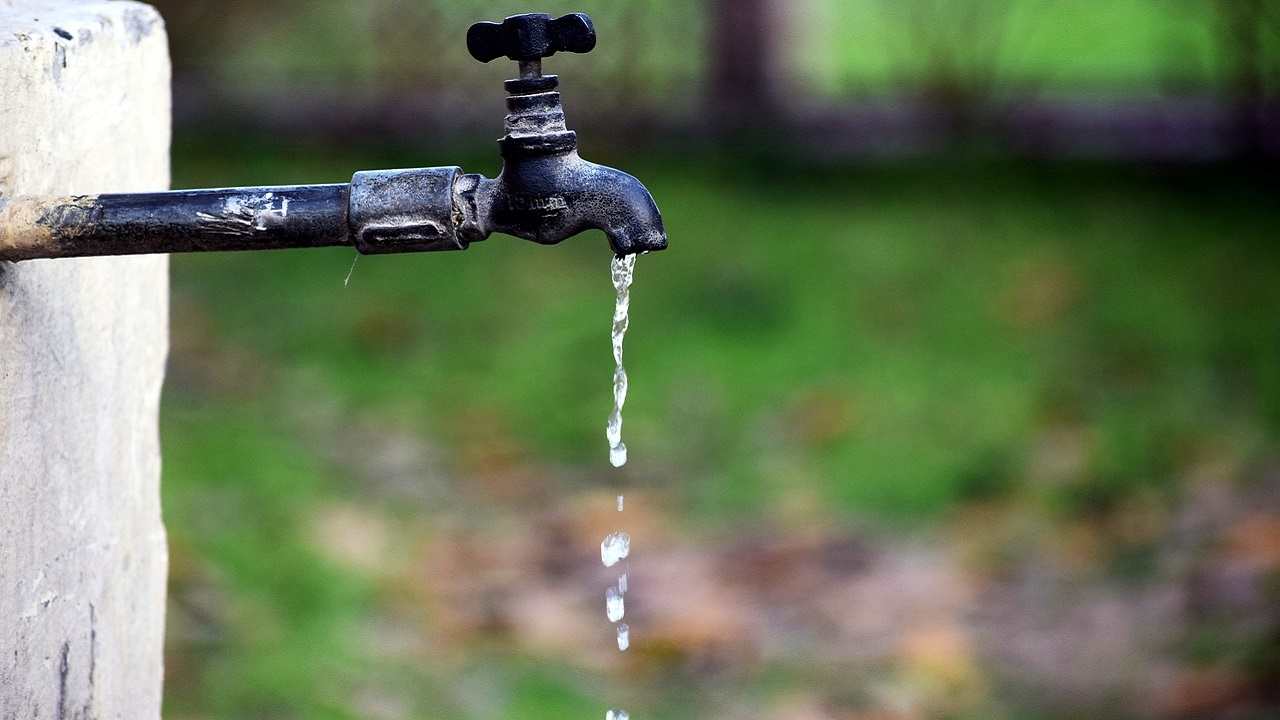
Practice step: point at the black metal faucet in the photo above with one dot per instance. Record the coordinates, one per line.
(545, 192)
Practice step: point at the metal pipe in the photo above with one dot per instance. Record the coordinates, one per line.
(253, 218)
(545, 193)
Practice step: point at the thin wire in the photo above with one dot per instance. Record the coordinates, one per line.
(355, 260)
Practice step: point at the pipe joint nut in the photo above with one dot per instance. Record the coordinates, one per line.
(418, 210)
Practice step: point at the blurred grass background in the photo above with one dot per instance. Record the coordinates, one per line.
(958, 433)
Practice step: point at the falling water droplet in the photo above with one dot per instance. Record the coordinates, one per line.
(614, 547)
(617, 715)
(622, 583)
(621, 502)
(624, 637)
(614, 606)
(618, 455)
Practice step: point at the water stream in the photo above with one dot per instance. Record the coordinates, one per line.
(623, 271)
(616, 546)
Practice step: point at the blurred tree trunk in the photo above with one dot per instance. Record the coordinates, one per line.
(743, 43)
(1244, 28)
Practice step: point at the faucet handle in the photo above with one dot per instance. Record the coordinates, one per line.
(531, 36)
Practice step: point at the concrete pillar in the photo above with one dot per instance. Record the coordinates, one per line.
(84, 108)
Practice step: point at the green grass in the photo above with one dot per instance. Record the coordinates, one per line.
(235, 496)
(938, 316)
(890, 342)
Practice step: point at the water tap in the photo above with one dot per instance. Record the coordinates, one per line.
(545, 192)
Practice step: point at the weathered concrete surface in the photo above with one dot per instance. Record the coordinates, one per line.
(84, 108)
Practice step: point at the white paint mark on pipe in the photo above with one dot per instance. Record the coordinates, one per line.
(269, 213)
(241, 215)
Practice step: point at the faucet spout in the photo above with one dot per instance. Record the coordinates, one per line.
(550, 197)
(623, 208)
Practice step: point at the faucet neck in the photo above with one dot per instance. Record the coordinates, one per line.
(535, 118)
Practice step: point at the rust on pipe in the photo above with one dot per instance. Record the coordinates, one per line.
(42, 227)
